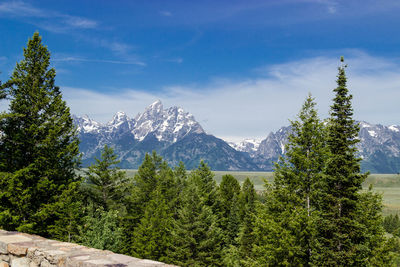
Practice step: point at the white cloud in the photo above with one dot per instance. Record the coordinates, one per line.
(251, 108)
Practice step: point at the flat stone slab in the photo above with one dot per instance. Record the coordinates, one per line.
(6, 238)
(31, 250)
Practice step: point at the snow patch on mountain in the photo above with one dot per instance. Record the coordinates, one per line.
(248, 145)
(394, 128)
(372, 133)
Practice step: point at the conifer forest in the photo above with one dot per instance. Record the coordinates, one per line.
(315, 213)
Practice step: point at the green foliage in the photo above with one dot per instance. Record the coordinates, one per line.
(345, 234)
(3, 93)
(154, 184)
(391, 224)
(105, 184)
(64, 216)
(100, 229)
(284, 226)
(38, 146)
(196, 236)
(152, 236)
(229, 192)
(238, 253)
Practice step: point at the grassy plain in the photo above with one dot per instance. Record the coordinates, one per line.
(386, 184)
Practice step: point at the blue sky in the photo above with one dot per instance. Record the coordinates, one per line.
(243, 68)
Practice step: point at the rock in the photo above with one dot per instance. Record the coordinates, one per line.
(20, 262)
(19, 249)
(46, 263)
(12, 238)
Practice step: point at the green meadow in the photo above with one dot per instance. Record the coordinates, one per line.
(386, 184)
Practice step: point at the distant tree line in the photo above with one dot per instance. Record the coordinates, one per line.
(314, 214)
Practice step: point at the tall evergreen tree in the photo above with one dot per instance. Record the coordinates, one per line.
(154, 183)
(344, 239)
(291, 203)
(197, 237)
(238, 253)
(152, 236)
(39, 146)
(106, 183)
(228, 193)
(247, 203)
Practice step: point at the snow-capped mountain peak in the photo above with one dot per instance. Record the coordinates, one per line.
(119, 118)
(248, 145)
(167, 125)
(364, 124)
(120, 124)
(150, 112)
(86, 124)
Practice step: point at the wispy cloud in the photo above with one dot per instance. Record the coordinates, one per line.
(79, 22)
(59, 21)
(21, 9)
(165, 13)
(116, 47)
(251, 108)
(81, 59)
(177, 60)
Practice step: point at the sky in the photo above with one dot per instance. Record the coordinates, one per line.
(243, 68)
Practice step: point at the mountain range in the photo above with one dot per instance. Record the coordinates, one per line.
(177, 136)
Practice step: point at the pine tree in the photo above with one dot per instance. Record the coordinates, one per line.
(154, 182)
(101, 230)
(197, 238)
(391, 223)
(152, 236)
(247, 203)
(106, 183)
(39, 146)
(345, 238)
(291, 203)
(145, 181)
(65, 215)
(238, 253)
(228, 193)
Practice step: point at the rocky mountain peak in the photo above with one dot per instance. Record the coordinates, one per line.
(248, 145)
(86, 124)
(167, 125)
(152, 111)
(118, 118)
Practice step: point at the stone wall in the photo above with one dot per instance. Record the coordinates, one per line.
(23, 250)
